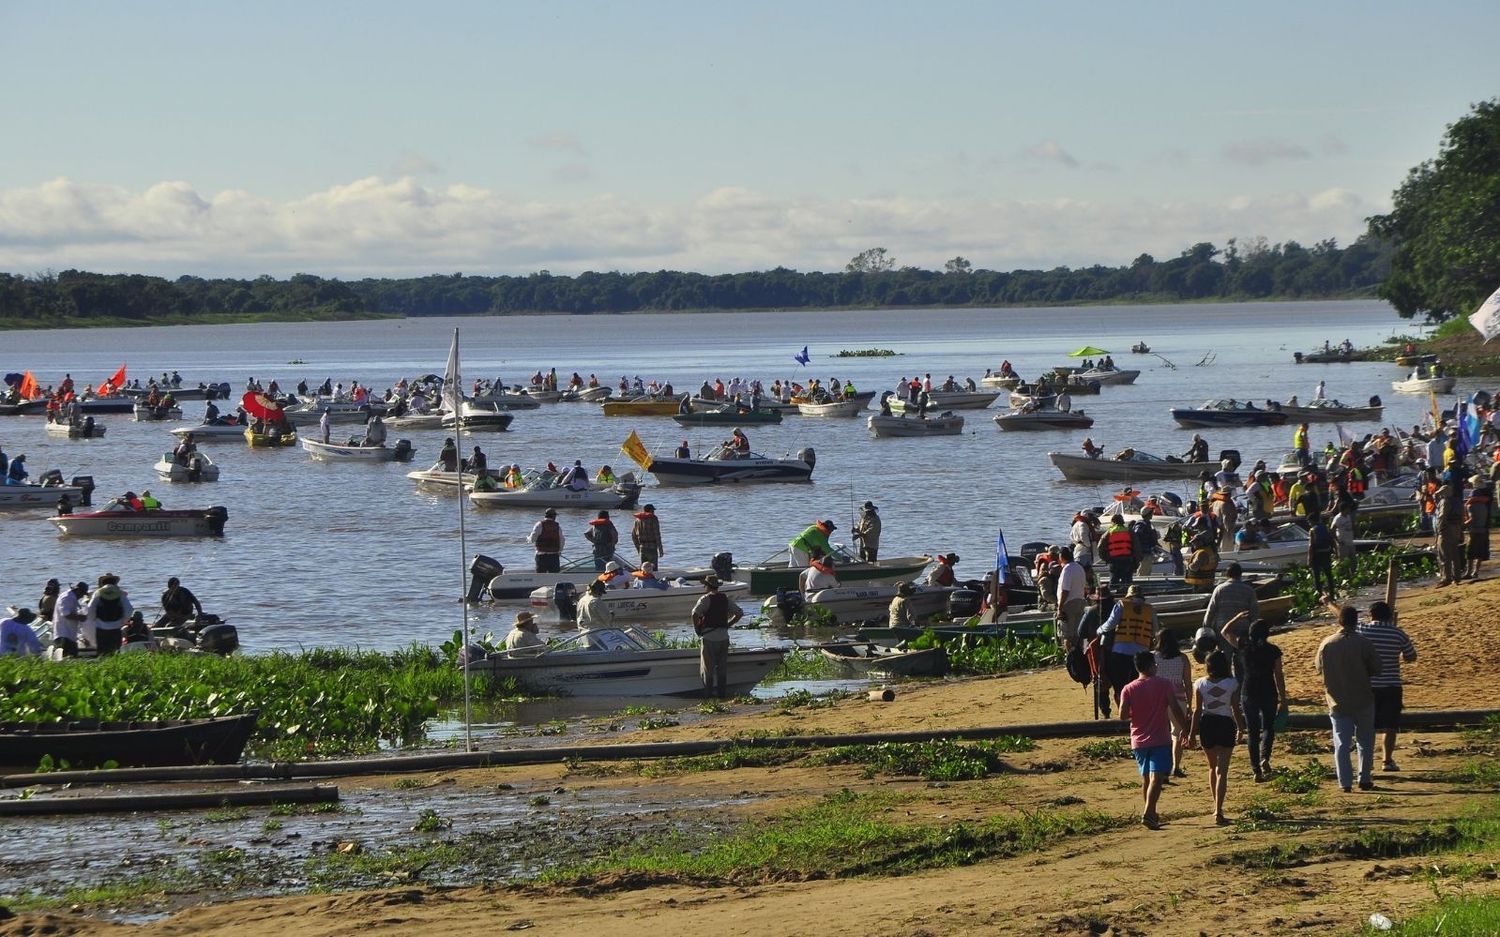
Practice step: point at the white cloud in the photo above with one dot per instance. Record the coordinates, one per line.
(1049, 151)
(403, 227)
(1261, 152)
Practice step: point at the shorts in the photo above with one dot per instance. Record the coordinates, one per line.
(1388, 706)
(1215, 731)
(1154, 760)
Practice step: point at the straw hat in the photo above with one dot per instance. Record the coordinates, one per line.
(525, 620)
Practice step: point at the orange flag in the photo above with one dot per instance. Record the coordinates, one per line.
(28, 388)
(114, 384)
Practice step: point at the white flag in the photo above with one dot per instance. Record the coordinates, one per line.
(1487, 317)
(453, 393)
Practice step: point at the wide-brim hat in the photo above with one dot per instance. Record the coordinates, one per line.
(525, 618)
(109, 592)
(25, 616)
(711, 580)
(905, 588)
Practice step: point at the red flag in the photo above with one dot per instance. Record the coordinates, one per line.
(28, 389)
(260, 406)
(113, 384)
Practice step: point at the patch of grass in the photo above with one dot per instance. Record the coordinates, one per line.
(1105, 749)
(1303, 780)
(226, 815)
(805, 664)
(638, 711)
(735, 756)
(271, 825)
(430, 821)
(1477, 830)
(1306, 743)
(800, 698)
(538, 800)
(711, 707)
(303, 810)
(1462, 916)
(938, 760)
(407, 784)
(659, 722)
(138, 888)
(844, 834)
(1485, 738)
(1480, 771)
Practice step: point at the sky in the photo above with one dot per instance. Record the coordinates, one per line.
(380, 138)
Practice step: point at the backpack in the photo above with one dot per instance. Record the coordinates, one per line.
(109, 609)
(1078, 666)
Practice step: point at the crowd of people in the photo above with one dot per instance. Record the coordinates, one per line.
(92, 620)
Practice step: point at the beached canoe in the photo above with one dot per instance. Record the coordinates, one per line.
(868, 657)
(89, 743)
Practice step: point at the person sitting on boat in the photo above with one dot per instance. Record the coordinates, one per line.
(577, 478)
(592, 612)
(210, 413)
(885, 404)
(970, 386)
(448, 457)
(614, 576)
(522, 640)
(513, 477)
(375, 433)
(136, 630)
(1092, 450)
(685, 405)
(16, 473)
(1250, 537)
(17, 639)
(185, 450)
(486, 483)
(178, 604)
(477, 462)
(819, 574)
(1129, 500)
(606, 476)
(900, 614)
(684, 451)
(741, 441)
(942, 574)
(646, 578)
(149, 501)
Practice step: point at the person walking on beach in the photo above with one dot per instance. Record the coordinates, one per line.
(1348, 662)
(1394, 646)
(1176, 668)
(1150, 705)
(1218, 725)
(645, 533)
(1130, 629)
(712, 616)
(1262, 690)
(1118, 546)
(1320, 550)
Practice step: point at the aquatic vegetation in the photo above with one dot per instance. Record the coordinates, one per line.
(935, 760)
(986, 656)
(866, 353)
(1368, 569)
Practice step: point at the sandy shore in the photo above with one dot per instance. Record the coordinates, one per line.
(1183, 879)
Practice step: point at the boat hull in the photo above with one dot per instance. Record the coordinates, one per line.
(630, 606)
(76, 430)
(1043, 420)
(143, 525)
(766, 579)
(211, 432)
(1108, 377)
(640, 407)
(837, 409)
(1194, 418)
(171, 471)
(1436, 385)
(683, 472)
(1331, 414)
(619, 496)
(727, 418)
(87, 744)
(367, 455)
(870, 658)
(20, 497)
(905, 427)
(267, 441)
(843, 605)
(668, 672)
(1077, 468)
(144, 414)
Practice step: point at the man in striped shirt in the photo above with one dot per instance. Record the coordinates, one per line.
(1394, 646)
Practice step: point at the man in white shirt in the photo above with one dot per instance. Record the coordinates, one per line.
(17, 637)
(523, 641)
(818, 575)
(1082, 536)
(1072, 602)
(592, 612)
(67, 617)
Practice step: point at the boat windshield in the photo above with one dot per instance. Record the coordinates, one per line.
(586, 564)
(607, 639)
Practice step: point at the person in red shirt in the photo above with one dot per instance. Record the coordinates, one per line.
(1150, 705)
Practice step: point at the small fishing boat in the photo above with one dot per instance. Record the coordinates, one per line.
(868, 657)
(1127, 465)
(199, 468)
(724, 465)
(145, 414)
(90, 743)
(728, 416)
(1140, 348)
(475, 416)
(506, 400)
(1229, 412)
(225, 427)
(624, 662)
(118, 520)
(312, 410)
(488, 576)
(587, 395)
(675, 602)
(106, 405)
(883, 426)
(1043, 420)
(356, 451)
(1106, 375)
(1413, 360)
(218, 391)
(271, 438)
(950, 400)
(438, 479)
(85, 429)
(847, 604)
(543, 491)
(542, 394)
(47, 492)
(641, 406)
(24, 407)
(1424, 380)
(1330, 411)
(835, 409)
(1335, 355)
(410, 421)
(1001, 381)
(774, 573)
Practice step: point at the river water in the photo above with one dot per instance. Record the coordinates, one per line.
(319, 554)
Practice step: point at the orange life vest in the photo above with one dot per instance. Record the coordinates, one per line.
(1119, 544)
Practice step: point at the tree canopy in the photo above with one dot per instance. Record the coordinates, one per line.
(1445, 223)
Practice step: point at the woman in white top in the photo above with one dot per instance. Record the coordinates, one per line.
(1174, 667)
(1217, 724)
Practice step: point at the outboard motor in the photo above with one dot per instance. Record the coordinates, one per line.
(565, 598)
(218, 637)
(1031, 548)
(482, 569)
(88, 426)
(723, 566)
(1233, 455)
(217, 516)
(195, 468)
(964, 603)
(806, 454)
(85, 486)
(50, 477)
(403, 451)
(789, 603)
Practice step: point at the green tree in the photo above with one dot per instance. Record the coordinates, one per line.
(874, 260)
(958, 265)
(1445, 223)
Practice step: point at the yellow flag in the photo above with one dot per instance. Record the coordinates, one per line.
(633, 447)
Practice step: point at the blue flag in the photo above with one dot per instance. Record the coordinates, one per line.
(803, 358)
(1468, 424)
(1002, 559)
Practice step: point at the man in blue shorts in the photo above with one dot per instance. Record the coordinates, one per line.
(1149, 704)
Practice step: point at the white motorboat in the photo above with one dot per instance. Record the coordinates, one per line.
(408, 421)
(543, 491)
(475, 416)
(86, 429)
(1128, 465)
(1001, 381)
(1330, 411)
(505, 400)
(437, 479)
(1043, 420)
(882, 426)
(1108, 375)
(145, 414)
(843, 605)
(586, 395)
(487, 576)
(950, 400)
(222, 429)
(118, 520)
(726, 466)
(625, 606)
(542, 394)
(841, 409)
(47, 492)
(356, 451)
(199, 468)
(1423, 380)
(623, 662)
(339, 411)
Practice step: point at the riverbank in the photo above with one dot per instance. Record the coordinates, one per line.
(1025, 837)
(11, 324)
(1458, 346)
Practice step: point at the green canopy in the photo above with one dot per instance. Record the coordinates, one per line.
(1087, 351)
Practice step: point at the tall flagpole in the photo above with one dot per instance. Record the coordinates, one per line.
(453, 395)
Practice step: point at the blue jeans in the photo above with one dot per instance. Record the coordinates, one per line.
(1358, 729)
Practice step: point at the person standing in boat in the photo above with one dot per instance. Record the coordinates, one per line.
(448, 457)
(479, 463)
(605, 538)
(712, 616)
(813, 538)
(547, 539)
(108, 610)
(867, 533)
(645, 533)
(67, 616)
(325, 426)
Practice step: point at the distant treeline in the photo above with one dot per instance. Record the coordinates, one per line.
(1240, 271)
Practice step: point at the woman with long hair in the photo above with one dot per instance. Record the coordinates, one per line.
(1217, 725)
(1174, 667)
